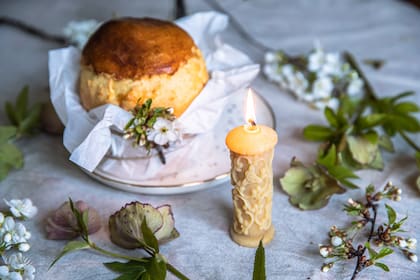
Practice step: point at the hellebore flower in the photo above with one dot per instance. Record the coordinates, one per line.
(125, 224)
(62, 224)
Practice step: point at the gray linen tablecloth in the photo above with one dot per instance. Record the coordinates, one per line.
(381, 29)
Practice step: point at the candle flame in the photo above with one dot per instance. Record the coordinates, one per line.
(250, 109)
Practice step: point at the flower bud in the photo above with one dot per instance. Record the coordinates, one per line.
(325, 251)
(326, 267)
(411, 243)
(24, 247)
(62, 224)
(336, 241)
(412, 257)
(402, 243)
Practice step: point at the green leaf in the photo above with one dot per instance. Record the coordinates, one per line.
(404, 122)
(370, 189)
(362, 149)
(22, 104)
(11, 114)
(392, 215)
(31, 120)
(384, 252)
(6, 133)
(70, 247)
(418, 159)
(331, 117)
(402, 95)
(10, 157)
(383, 266)
(370, 121)
(386, 143)
(329, 159)
(372, 253)
(149, 237)
(317, 133)
(259, 263)
(406, 107)
(131, 275)
(129, 266)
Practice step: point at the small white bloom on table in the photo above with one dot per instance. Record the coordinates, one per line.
(22, 208)
(14, 276)
(402, 243)
(24, 247)
(270, 57)
(324, 251)
(1, 218)
(163, 132)
(298, 83)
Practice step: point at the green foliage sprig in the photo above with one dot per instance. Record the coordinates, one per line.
(259, 263)
(25, 121)
(152, 267)
(354, 138)
(384, 237)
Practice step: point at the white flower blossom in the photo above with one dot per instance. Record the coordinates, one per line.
(270, 70)
(355, 86)
(298, 84)
(4, 271)
(326, 267)
(316, 60)
(24, 247)
(13, 234)
(270, 57)
(1, 218)
(332, 65)
(22, 208)
(79, 32)
(336, 241)
(17, 267)
(163, 132)
(323, 87)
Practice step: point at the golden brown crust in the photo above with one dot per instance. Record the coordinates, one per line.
(130, 48)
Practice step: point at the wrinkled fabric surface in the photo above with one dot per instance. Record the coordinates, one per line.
(376, 29)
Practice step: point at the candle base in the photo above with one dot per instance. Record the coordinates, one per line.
(252, 241)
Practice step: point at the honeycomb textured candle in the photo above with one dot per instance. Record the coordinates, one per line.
(252, 177)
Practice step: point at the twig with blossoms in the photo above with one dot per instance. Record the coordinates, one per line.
(153, 128)
(384, 236)
(318, 78)
(15, 236)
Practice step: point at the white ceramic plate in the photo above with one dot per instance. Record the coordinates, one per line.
(208, 168)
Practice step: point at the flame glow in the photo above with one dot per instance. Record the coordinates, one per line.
(250, 109)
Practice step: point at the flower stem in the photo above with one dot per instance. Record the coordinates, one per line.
(360, 265)
(176, 272)
(409, 141)
(114, 255)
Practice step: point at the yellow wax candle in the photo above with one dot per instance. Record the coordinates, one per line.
(251, 151)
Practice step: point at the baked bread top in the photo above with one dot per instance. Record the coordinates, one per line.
(131, 48)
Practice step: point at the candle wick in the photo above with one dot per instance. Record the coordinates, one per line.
(252, 122)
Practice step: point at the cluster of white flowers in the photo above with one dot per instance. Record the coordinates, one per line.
(316, 81)
(78, 32)
(14, 235)
(164, 132)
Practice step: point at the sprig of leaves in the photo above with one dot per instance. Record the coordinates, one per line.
(155, 266)
(353, 138)
(384, 237)
(25, 121)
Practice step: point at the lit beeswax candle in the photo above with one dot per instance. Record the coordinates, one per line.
(251, 151)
